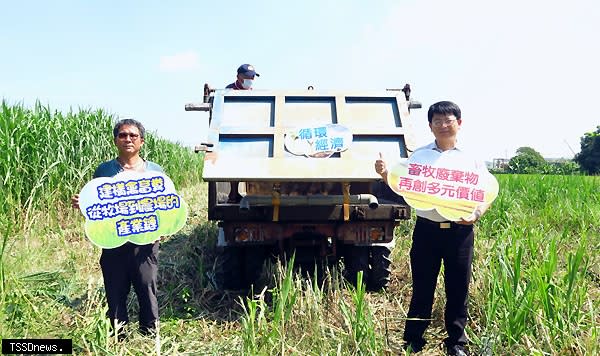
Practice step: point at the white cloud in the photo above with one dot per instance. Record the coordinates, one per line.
(179, 62)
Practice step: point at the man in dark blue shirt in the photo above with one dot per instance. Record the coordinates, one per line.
(130, 263)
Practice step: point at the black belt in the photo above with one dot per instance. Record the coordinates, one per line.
(442, 224)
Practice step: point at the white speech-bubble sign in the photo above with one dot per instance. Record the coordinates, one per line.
(449, 182)
(318, 141)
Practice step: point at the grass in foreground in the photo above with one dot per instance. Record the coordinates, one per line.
(535, 290)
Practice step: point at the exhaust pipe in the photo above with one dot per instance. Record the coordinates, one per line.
(315, 200)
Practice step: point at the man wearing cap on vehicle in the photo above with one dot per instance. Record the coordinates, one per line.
(245, 78)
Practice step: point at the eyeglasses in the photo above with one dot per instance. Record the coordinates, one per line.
(124, 135)
(440, 122)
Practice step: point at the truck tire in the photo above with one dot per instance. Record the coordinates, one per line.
(356, 258)
(228, 273)
(254, 259)
(380, 262)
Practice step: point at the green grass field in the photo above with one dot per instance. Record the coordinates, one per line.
(535, 288)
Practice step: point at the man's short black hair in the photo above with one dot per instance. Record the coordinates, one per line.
(129, 122)
(444, 108)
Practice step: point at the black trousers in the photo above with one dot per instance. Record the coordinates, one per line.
(126, 265)
(431, 246)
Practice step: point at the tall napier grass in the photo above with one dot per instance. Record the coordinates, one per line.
(47, 156)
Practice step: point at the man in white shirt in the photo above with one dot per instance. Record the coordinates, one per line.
(437, 240)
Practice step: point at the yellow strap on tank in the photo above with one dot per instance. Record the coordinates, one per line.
(276, 200)
(346, 205)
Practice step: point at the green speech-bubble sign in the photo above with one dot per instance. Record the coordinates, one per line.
(132, 206)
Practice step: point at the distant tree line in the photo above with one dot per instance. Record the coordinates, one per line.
(589, 157)
(529, 161)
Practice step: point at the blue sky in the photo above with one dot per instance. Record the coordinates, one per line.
(525, 73)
